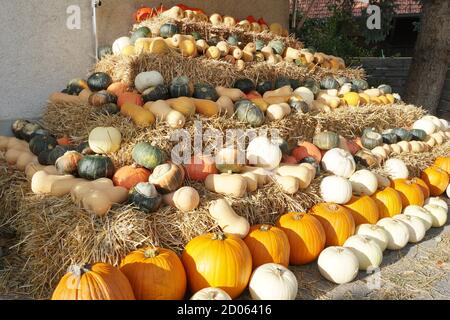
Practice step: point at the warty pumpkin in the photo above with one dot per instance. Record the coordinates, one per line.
(363, 209)
(436, 179)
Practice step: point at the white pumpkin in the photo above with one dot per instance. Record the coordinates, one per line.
(367, 251)
(435, 120)
(448, 191)
(338, 265)
(145, 80)
(306, 94)
(364, 182)
(261, 152)
(444, 124)
(416, 227)
(421, 213)
(104, 140)
(272, 281)
(426, 125)
(437, 201)
(211, 294)
(396, 169)
(377, 233)
(438, 214)
(398, 233)
(339, 162)
(346, 88)
(380, 152)
(121, 43)
(438, 138)
(336, 189)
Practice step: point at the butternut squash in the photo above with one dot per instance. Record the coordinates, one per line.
(261, 174)
(289, 185)
(252, 181)
(232, 93)
(228, 220)
(160, 109)
(32, 168)
(281, 92)
(226, 106)
(184, 105)
(42, 183)
(25, 159)
(97, 202)
(261, 104)
(302, 173)
(233, 185)
(14, 143)
(12, 155)
(139, 115)
(206, 108)
(58, 97)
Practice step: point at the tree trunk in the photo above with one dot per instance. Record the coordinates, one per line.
(431, 56)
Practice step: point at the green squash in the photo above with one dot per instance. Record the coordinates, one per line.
(142, 32)
(42, 143)
(168, 30)
(360, 84)
(295, 83)
(371, 139)
(418, 134)
(108, 109)
(75, 86)
(366, 130)
(213, 41)
(326, 140)
(29, 131)
(95, 167)
(329, 83)
(282, 82)
(148, 156)
(104, 51)
(84, 149)
(245, 85)
(40, 132)
(160, 92)
(259, 44)
(298, 105)
(385, 89)
(56, 153)
(342, 80)
(312, 85)
(145, 197)
(100, 98)
(197, 36)
(264, 86)
(43, 158)
(17, 127)
(389, 138)
(248, 112)
(233, 40)
(181, 87)
(99, 81)
(402, 134)
(277, 46)
(205, 91)
(285, 148)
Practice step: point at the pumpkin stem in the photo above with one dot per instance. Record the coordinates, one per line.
(298, 216)
(218, 236)
(79, 270)
(333, 206)
(151, 253)
(264, 227)
(279, 271)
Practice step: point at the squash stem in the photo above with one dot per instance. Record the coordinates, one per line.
(219, 236)
(265, 227)
(79, 270)
(151, 253)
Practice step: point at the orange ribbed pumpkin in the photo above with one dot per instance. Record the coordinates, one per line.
(389, 202)
(410, 193)
(130, 97)
(129, 176)
(423, 186)
(218, 260)
(306, 236)
(305, 150)
(99, 281)
(268, 244)
(337, 221)
(436, 179)
(443, 163)
(363, 209)
(155, 274)
(200, 167)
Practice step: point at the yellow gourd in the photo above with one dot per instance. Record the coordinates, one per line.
(213, 53)
(233, 185)
(188, 48)
(207, 108)
(261, 104)
(364, 98)
(139, 115)
(228, 220)
(390, 98)
(352, 99)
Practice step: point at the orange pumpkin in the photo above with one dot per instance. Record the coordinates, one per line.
(130, 97)
(337, 222)
(353, 147)
(218, 260)
(306, 149)
(118, 88)
(306, 236)
(436, 179)
(443, 163)
(200, 167)
(99, 281)
(288, 160)
(389, 202)
(363, 209)
(268, 244)
(423, 186)
(129, 176)
(64, 141)
(155, 274)
(410, 193)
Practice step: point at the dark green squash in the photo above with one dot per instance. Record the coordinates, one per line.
(233, 40)
(197, 36)
(145, 197)
(389, 138)
(95, 167)
(285, 148)
(100, 98)
(40, 132)
(160, 92)
(298, 105)
(245, 85)
(56, 153)
(75, 86)
(248, 112)
(168, 30)
(326, 140)
(104, 51)
(205, 91)
(99, 81)
(371, 139)
(181, 87)
(29, 130)
(312, 85)
(213, 41)
(277, 46)
(43, 158)
(366, 130)
(17, 127)
(42, 143)
(342, 80)
(385, 89)
(142, 32)
(418, 134)
(295, 83)
(329, 83)
(148, 156)
(402, 134)
(108, 109)
(259, 44)
(282, 82)
(360, 84)
(264, 86)
(84, 149)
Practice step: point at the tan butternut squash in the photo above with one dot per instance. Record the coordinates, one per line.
(228, 219)
(14, 143)
(287, 184)
(42, 182)
(32, 168)
(232, 93)
(58, 97)
(184, 105)
(25, 159)
(252, 181)
(226, 106)
(302, 173)
(233, 185)
(160, 109)
(84, 95)
(206, 108)
(12, 155)
(97, 202)
(331, 101)
(139, 115)
(281, 92)
(262, 175)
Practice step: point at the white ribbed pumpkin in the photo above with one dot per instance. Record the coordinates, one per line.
(120, 43)
(396, 169)
(364, 182)
(338, 265)
(211, 294)
(339, 162)
(306, 94)
(421, 213)
(435, 120)
(438, 214)
(416, 227)
(437, 201)
(367, 251)
(377, 233)
(398, 233)
(426, 125)
(145, 80)
(336, 189)
(104, 140)
(381, 152)
(261, 152)
(272, 281)
(444, 124)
